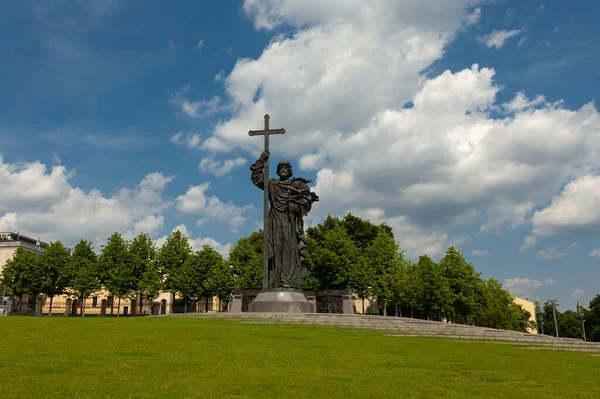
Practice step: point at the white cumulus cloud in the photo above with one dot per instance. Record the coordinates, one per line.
(42, 203)
(575, 210)
(218, 168)
(523, 287)
(195, 201)
(196, 109)
(498, 37)
(595, 253)
(551, 253)
(190, 140)
(529, 242)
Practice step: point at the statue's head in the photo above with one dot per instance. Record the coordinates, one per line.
(284, 169)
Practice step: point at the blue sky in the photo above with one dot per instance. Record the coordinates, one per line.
(467, 123)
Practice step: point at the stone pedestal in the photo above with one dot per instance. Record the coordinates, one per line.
(236, 304)
(24, 304)
(39, 303)
(68, 302)
(10, 304)
(283, 300)
(348, 306)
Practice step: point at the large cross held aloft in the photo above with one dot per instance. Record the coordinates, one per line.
(266, 132)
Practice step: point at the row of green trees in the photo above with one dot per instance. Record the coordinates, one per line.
(343, 253)
(125, 269)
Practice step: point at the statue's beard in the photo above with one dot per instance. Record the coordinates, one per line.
(284, 175)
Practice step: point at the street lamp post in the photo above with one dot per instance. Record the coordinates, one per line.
(538, 310)
(580, 311)
(555, 303)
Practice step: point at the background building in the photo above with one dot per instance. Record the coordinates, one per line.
(9, 242)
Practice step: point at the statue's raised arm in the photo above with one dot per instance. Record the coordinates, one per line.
(258, 168)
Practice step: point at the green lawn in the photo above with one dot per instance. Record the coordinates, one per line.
(62, 357)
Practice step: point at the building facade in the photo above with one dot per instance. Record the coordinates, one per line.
(9, 242)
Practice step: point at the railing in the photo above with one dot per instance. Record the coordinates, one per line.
(94, 306)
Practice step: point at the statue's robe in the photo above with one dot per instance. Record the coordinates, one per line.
(286, 240)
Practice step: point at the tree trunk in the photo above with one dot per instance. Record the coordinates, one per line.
(119, 307)
(363, 305)
(385, 307)
(141, 305)
(396, 306)
(82, 306)
(51, 299)
(112, 304)
(206, 303)
(411, 311)
(185, 306)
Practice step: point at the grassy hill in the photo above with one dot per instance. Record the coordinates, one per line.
(202, 358)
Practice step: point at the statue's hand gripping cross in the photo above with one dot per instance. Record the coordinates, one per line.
(266, 132)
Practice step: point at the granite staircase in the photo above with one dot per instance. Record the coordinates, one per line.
(406, 327)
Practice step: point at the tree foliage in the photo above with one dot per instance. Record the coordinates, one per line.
(331, 257)
(174, 253)
(19, 273)
(52, 272)
(84, 269)
(117, 267)
(246, 260)
(464, 283)
(219, 279)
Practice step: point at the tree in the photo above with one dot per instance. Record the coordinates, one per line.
(592, 320)
(518, 318)
(464, 283)
(330, 258)
(208, 260)
(397, 283)
(246, 260)
(143, 255)
(84, 271)
(52, 271)
(219, 281)
(117, 268)
(18, 274)
(569, 325)
(436, 295)
(494, 310)
(548, 312)
(151, 283)
(171, 258)
(363, 232)
(384, 256)
(414, 288)
(361, 276)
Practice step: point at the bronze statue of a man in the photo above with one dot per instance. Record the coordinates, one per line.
(290, 199)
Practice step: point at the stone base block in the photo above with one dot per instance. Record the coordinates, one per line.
(348, 306)
(281, 301)
(236, 304)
